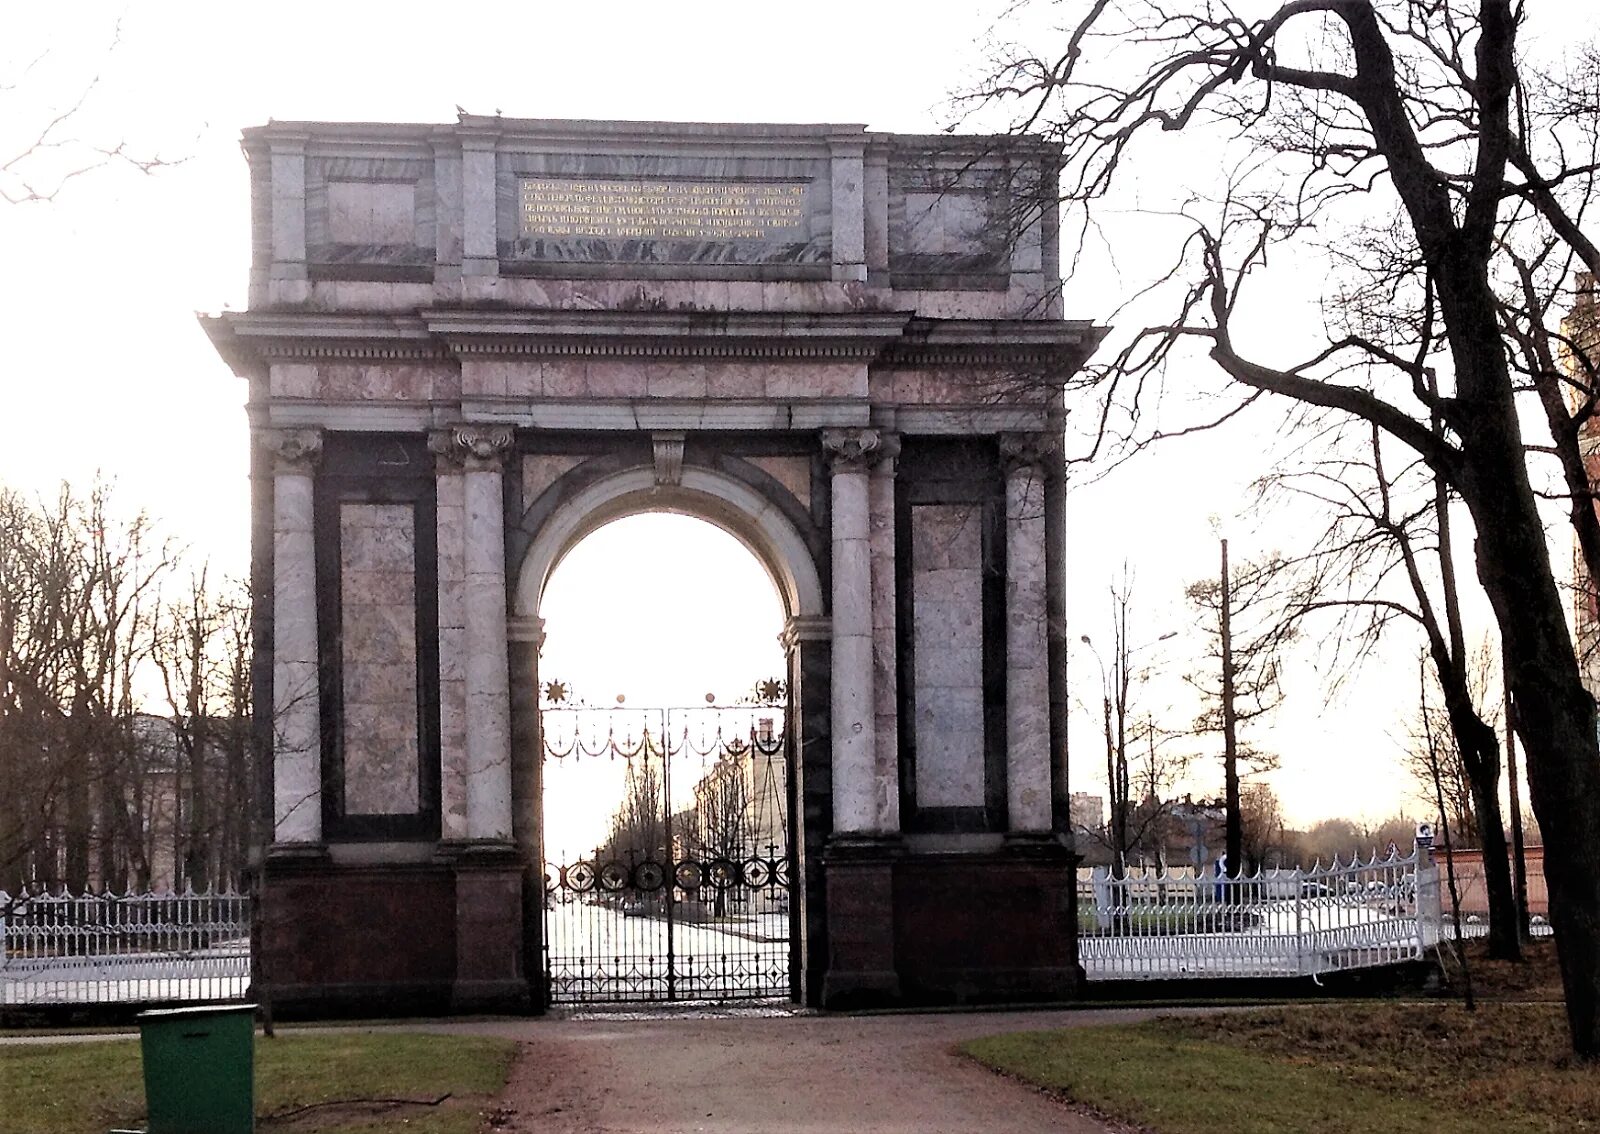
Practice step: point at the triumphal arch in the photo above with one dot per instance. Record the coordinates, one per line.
(469, 345)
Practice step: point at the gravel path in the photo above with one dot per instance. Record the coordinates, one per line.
(803, 1074)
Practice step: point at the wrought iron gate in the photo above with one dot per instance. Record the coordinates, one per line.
(687, 892)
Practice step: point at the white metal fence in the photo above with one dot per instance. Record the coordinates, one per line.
(1281, 923)
(61, 948)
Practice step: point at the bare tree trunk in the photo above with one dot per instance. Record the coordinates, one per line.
(1519, 861)
(1230, 732)
(1555, 714)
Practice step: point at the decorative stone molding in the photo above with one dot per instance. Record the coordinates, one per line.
(294, 450)
(805, 628)
(1026, 453)
(851, 450)
(476, 447)
(526, 630)
(668, 449)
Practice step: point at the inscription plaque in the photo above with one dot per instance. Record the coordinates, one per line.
(648, 209)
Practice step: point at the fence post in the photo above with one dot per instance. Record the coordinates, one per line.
(1299, 923)
(1430, 910)
(1100, 878)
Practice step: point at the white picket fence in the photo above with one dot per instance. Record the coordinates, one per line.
(1283, 923)
(155, 948)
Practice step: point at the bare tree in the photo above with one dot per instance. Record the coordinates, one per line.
(639, 826)
(1387, 558)
(1261, 831)
(1421, 112)
(45, 148)
(1246, 621)
(201, 649)
(1142, 767)
(94, 787)
(1431, 739)
(722, 811)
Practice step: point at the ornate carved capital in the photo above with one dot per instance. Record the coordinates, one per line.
(473, 447)
(1027, 453)
(850, 450)
(295, 451)
(888, 453)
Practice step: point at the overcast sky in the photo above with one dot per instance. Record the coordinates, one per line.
(105, 368)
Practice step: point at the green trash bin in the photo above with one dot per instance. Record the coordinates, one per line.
(199, 1069)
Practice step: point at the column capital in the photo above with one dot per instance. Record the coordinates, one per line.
(805, 628)
(1027, 453)
(529, 629)
(850, 450)
(887, 453)
(472, 447)
(293, 450)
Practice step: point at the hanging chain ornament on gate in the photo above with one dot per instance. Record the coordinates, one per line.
(687, 892)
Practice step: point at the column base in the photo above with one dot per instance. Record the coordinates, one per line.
(488, 931)
(471, 996)
(859, 989)
(297, 853)
(1037, 844)
(861, 971)
(478, 852)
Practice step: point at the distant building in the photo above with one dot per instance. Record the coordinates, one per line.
(1196, 832)
(1088, 812)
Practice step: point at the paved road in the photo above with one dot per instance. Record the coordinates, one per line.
(803, 1074)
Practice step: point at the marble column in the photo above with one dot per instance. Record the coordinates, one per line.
(854, 701)
(482, 451)
(1027, 633)
(450, 512)
(296, 696)
(885, 647)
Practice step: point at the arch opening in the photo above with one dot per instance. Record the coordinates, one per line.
(667, 823)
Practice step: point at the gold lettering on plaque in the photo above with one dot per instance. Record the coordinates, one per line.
(663, 210)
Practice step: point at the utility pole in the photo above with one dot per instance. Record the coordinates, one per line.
(1230, 740)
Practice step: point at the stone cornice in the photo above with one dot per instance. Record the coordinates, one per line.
(846, 335)
(1046, 344)
(882, 338)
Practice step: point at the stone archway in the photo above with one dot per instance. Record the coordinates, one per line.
(733, 505)
(579, 505)
(466, 343)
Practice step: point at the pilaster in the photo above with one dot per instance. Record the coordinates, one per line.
(481, 451)
(885, 643)
(450, 507)
(849, 453)
(480, 251)
(296, 698)
(1028, 780)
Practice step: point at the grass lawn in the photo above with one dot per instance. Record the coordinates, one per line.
(90, 1088)
(1333, 1068)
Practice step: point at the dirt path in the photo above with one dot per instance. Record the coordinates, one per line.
(802, 1074)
